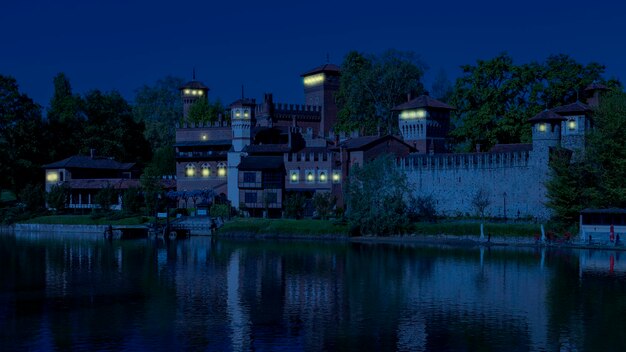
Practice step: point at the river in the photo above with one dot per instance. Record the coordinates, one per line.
(69, 292)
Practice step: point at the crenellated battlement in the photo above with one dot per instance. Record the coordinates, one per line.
(204, 125)
(465, 161)
(308, 156)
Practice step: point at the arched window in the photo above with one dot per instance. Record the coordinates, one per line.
(322, 176)
(190, 170)
(221, 170)
(206, 170)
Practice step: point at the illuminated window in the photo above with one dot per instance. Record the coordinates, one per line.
(322, 176)
(542, 127)
(204, 137)
(245, 113)
(190, 170)
(52, 176)
(413, 114)
(187, 91)
(221, 170)
(206, 170)
(200, 92)
(314, 79)
(294, 176)
(336, 176)
(571, 125)
(310, 177)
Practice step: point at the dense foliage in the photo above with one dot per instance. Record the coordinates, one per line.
(495, 97)
(376, 198)
(597, 180)
(371, 85)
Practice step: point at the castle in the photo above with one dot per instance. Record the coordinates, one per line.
(270, 150)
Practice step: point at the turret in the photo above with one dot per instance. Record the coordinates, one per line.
(575, 125)
(546, 134)
(321, 84)
(424, 123)
(191, 92)
(242, 120)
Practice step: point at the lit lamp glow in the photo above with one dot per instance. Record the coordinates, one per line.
(542, 127)
(336, 177)
(413, 114)
(206, 172)
(52, 177)
(204, 137)
(323, 177)
(200, 92)
(187, 91)
(314, 79)
(294, 177)
(221, 171)
(190, 172)
(310, 177)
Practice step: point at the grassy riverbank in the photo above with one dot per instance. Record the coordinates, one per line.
(307, 227)
(84, 220)
(332, 227)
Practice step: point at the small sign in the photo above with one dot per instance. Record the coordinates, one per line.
(161, 215)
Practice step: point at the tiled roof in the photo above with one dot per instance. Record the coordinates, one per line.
(423, 101)
(243, 102)
(267, 148)
(366, 141)
(116, 183)
(193, 85)
(514, 147)
(261, 163)
(330, 68)
(547, 115)
(86, 162)
(597, 86)
(573, 108)
(209, 143)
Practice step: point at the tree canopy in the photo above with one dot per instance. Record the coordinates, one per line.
(495, 97)
(597, 180)
(371, 85)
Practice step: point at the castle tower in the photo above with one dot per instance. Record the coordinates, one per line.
(424, 123)
(191, 92)
(593, 92)
(320, 87)
(575, 125)
(242, 120)
(546, 134)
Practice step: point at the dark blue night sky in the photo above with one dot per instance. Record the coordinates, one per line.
(265, 45)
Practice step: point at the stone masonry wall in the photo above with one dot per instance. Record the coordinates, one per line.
(513, 181)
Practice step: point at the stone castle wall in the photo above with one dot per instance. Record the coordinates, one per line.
(512, 181)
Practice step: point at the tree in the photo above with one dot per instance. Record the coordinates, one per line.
(441, 88)
(159, 107)
(57, 197)
(204, 111)
(597, 181)
(481, 201)
(294, 205)
(421, 208)
(375, 198)
(370, 86)
(495, 97)
(21, 132)
(324, 202)
(111, 129)
(131, 200)
(32, 196)
(65, 120)
(106, 197)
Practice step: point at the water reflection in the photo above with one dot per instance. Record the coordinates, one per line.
(68, 292)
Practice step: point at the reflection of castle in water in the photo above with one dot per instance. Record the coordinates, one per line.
(314, 296)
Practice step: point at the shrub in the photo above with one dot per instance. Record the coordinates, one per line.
(324, 203)
(57, 197)
(294, 206)
(32, 196)
(218, 210)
